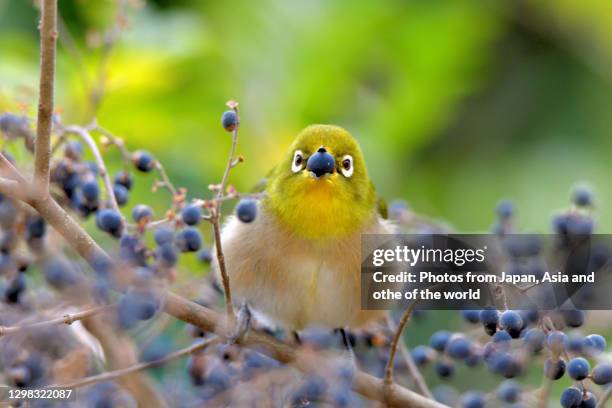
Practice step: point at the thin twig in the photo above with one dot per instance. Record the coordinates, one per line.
(111, 375)
(84, 134)
(48, 40)
(66, 319)
(127, 157)
(114, 140)
(165, 179)
(230, 160)
(229, 307)
(215, 219)
(236, 196)
(414, 371)
(397, 338)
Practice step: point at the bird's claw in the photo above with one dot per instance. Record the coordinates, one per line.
(243, 324)
(349, 352)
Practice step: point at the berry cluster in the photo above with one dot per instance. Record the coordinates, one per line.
(518, 338)
(508, 343)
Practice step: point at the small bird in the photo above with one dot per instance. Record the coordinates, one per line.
(299, 260)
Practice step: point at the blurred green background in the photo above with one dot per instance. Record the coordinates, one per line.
(457, 104)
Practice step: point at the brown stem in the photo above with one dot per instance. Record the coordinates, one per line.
(67, 319)
(165, 179)
(116, 141)
(111, 375)
(216, 221)
(229, 307)
(397, 338)
(414, 371)
(48, 40)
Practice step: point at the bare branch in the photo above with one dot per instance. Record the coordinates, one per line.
(48, 40)
(66, 319)
(111, 375)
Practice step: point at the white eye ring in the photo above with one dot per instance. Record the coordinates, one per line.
(346, 166)
(298, 161)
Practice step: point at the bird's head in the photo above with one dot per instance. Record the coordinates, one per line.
(321, 189)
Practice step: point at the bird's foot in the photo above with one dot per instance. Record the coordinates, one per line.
(295, 337)
(243, 324)
(349, 352)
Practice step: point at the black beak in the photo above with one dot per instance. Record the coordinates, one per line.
(321, 163)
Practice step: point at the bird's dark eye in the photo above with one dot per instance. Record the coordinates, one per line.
(298, 161)
(347, 165)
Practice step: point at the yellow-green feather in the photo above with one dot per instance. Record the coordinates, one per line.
(322, 209)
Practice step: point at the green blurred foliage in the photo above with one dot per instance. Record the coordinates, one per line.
(456, 104)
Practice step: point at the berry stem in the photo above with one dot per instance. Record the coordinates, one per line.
(114, 140)
(229, 166)
(127, 156)
(108, 185)
(165, 179)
